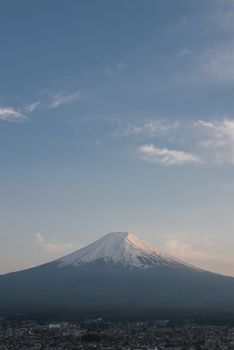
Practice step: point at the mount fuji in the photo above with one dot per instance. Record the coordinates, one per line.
(117, 274)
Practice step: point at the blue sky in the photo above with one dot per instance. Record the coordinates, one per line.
(116, 115)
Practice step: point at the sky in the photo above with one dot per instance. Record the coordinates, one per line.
(117, 116)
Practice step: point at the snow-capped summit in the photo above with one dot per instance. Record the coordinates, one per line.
(121, 248)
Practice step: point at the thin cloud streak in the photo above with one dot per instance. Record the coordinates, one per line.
(52, 247)
(149, 128)
(218, 64)
(60, 99)
(32, 107)
(208, 141)
(10, 114)
(182, 53)
(218, 140)
(165, 156)
(199, 251)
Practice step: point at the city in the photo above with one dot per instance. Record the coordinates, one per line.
(119, 335)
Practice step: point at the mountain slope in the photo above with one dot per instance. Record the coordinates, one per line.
(116, 274)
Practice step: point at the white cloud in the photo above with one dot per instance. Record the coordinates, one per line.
(165, 156)
(31, 107)
(52, 247)
(199, 251)
(60, 99)
(10, 114)
(210, 141)
(217, 140)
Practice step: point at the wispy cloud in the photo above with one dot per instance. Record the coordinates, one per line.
(165, 156)
(182, 53)
(217, 139)
(31, 107)
(202, 142)
(222, 16)
(10, 114)
(200, 251)
(217, 64)
(52, 247)
(111, 71)
(213, 65)
(13, 114)
(147, 128)
(60, 99)
(121, 65)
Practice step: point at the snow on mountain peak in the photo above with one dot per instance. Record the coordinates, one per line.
(120, 248)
